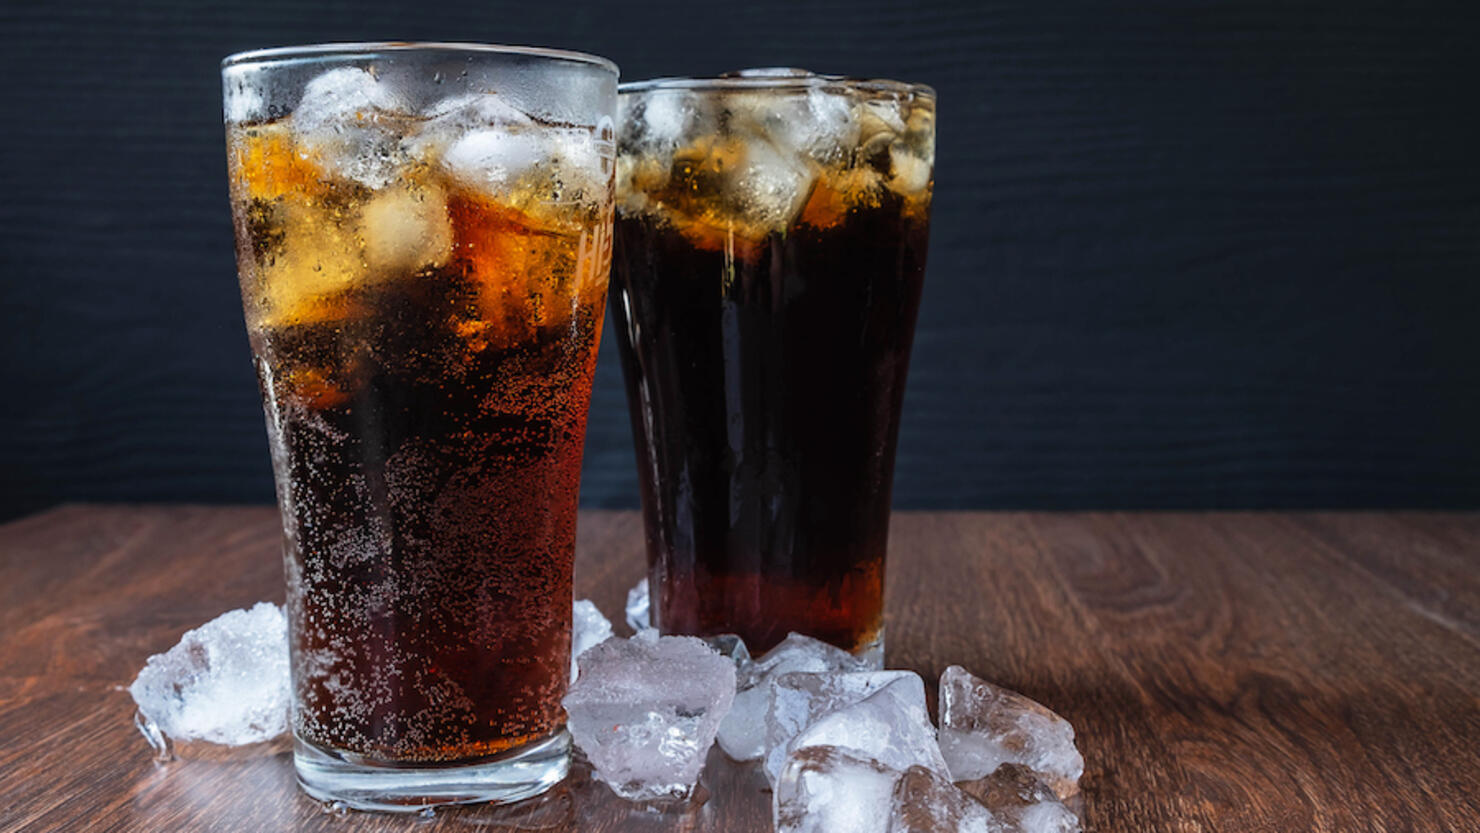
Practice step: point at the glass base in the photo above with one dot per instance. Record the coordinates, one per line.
(514, 775)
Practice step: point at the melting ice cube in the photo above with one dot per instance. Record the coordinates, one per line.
(645, 711)
(767, 187)
(827, 790)
(351, 125)
(799, 699)
(225, 682)
(983, 726)
(889, 726)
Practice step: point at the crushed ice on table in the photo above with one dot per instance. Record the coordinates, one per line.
(1016, 795)
(983, 726)
(351, 125)
(743, 733)
(645, 711)
(638, 615)
(925, 802)
(823, 789)
(798, 699)
(588, 629)
(890, 726)
(225, 682)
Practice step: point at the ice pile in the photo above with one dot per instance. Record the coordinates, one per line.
(752, 158)
(645, 711)
(353, 125)
(225, 682)
(845, 748)
(874, 766)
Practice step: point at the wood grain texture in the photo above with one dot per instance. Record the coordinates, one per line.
(1184, 254)
(1226, 672)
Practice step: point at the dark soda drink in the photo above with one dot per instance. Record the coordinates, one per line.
(424, 290)
(770, 247)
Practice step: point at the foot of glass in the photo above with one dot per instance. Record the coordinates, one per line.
(518, 774)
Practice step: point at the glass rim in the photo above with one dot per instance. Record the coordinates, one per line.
(353, 49)
(777, 78)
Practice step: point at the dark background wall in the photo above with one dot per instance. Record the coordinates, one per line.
(1186, 254)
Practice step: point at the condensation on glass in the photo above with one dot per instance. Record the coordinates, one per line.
(423, 239)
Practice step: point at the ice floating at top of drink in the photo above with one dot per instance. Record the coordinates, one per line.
(438, 177)
(763, 151)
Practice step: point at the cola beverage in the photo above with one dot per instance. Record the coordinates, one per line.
(770, 248)
(424, 273)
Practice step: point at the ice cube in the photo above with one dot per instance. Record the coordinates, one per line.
(321, 257)
(588, 629)
(494, 160)
(798, 652)
(1017, 796)
(406, 228)
(880, 116)
(225, 682)
(743, 733)
(666, 116)
(448, 120)
(890, 726)
(351, 125)
(491, 160)
(909, 173)
(983, 726)
(925, 802)
(796, 700)
(819, 123)
(823, 127)
(645, 711)
(768, 188)
(824, 789)
(637, 607)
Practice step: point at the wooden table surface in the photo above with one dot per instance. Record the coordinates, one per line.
(1225, 672)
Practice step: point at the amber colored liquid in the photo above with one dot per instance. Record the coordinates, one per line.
(427, 428)
(765, 382)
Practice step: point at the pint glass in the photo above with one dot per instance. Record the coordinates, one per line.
(423, 240)
(770, 246)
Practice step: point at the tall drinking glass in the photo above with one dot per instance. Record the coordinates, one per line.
(770, 246)
(423, 238)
